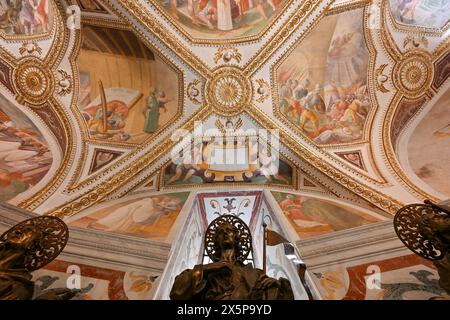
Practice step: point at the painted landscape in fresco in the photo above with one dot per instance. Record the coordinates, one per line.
(126, 92)
(25, 17)
(150, 217)
(429, 147)
(210, 162)
(227, 19)
(312, 217)
(24, 154)
(322, 88)
(424, 13)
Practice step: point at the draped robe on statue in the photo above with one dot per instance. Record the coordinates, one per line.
(228, 281)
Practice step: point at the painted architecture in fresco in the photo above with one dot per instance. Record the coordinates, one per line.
(425, 13)
(433, 135)
(25, 17)
(24, 154)
(225, 18)
(312, 217)
(322, 83)
(126, 92)
(216, 161)
(150, 217)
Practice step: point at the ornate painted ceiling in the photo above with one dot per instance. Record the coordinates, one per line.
(357, 89)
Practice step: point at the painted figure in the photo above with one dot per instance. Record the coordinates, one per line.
(224, 20)
(269, 166)
(154, 104)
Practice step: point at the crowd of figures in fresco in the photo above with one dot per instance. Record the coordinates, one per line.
(322, 84)
(339, 120)
(24, 17)
(24, 155)
(233, 17)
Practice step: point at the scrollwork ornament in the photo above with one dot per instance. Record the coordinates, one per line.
(244, 236)
(381, 78)
(193, 91)
(415, 41)
(64, 83)
(227, 54)
(263, 90)
(30, 48)
(408, 226)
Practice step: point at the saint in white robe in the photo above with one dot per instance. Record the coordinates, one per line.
(224, 19)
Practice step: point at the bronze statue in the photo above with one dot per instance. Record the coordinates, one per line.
(228, 243)
(26, 247)
(425, 230)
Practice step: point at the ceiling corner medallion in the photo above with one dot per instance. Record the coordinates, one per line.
(413, 74)
(34, 81)
(229, 91)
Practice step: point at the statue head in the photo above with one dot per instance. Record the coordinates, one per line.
(27, 238)
(225, 233)
(226, 237)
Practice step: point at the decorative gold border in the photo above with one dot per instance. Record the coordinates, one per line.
(103, 22)
(347, 6)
